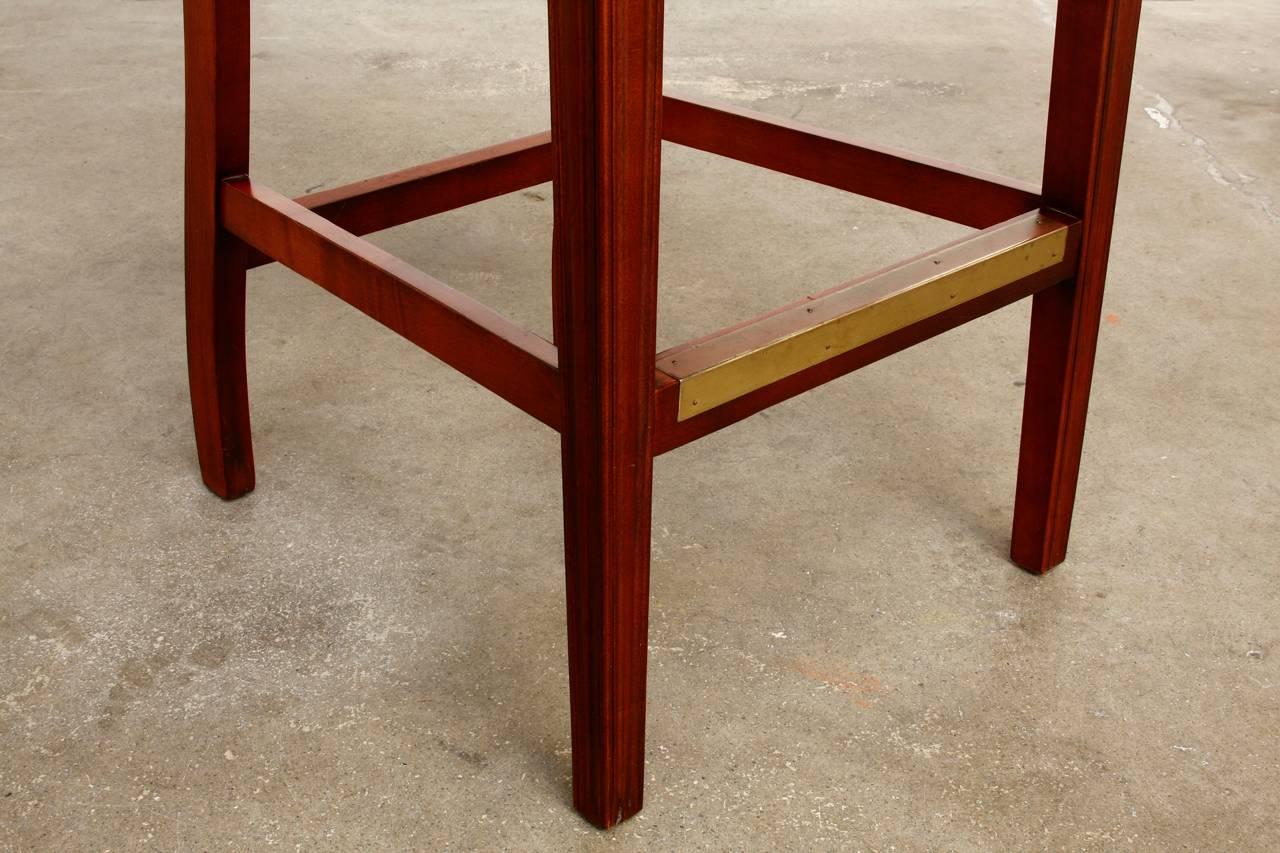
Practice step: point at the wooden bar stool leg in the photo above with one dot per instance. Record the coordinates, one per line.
(606, 59)
(1088, 107)
(217, 82)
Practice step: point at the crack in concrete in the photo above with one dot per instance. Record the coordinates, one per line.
(1164, 114)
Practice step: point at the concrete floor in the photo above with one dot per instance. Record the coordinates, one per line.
(368, 652)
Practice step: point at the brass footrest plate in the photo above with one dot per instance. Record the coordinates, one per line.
(748, 357)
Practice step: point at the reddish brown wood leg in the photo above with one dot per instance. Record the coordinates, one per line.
(1088, 106)
(606, 58)
(217, 57)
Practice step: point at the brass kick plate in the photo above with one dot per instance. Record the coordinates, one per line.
(787, 342)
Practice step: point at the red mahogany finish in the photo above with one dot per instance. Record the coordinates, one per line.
(217, 58)
(375, 204)
(1088, 104)
(606, 110)
(515, 364)
(923, 184)
(616, 403)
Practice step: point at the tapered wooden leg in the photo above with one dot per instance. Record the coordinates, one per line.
(1089, 99)
(217, 58)
(606, 58)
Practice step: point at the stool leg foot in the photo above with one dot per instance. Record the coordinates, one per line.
(216, 370)
(607, 585)
(606, 98)
(217, 92)
(1053, 421)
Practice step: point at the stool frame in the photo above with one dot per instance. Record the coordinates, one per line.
(599, 384)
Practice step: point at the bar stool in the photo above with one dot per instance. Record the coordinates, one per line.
(616, 403)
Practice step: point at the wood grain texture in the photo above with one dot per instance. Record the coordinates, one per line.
(389, 200)
(1088, 108)
(515, 364)
(922, 184)
(217, 146)
(606, 91)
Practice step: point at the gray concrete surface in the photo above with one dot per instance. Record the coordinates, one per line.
(368, 652)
